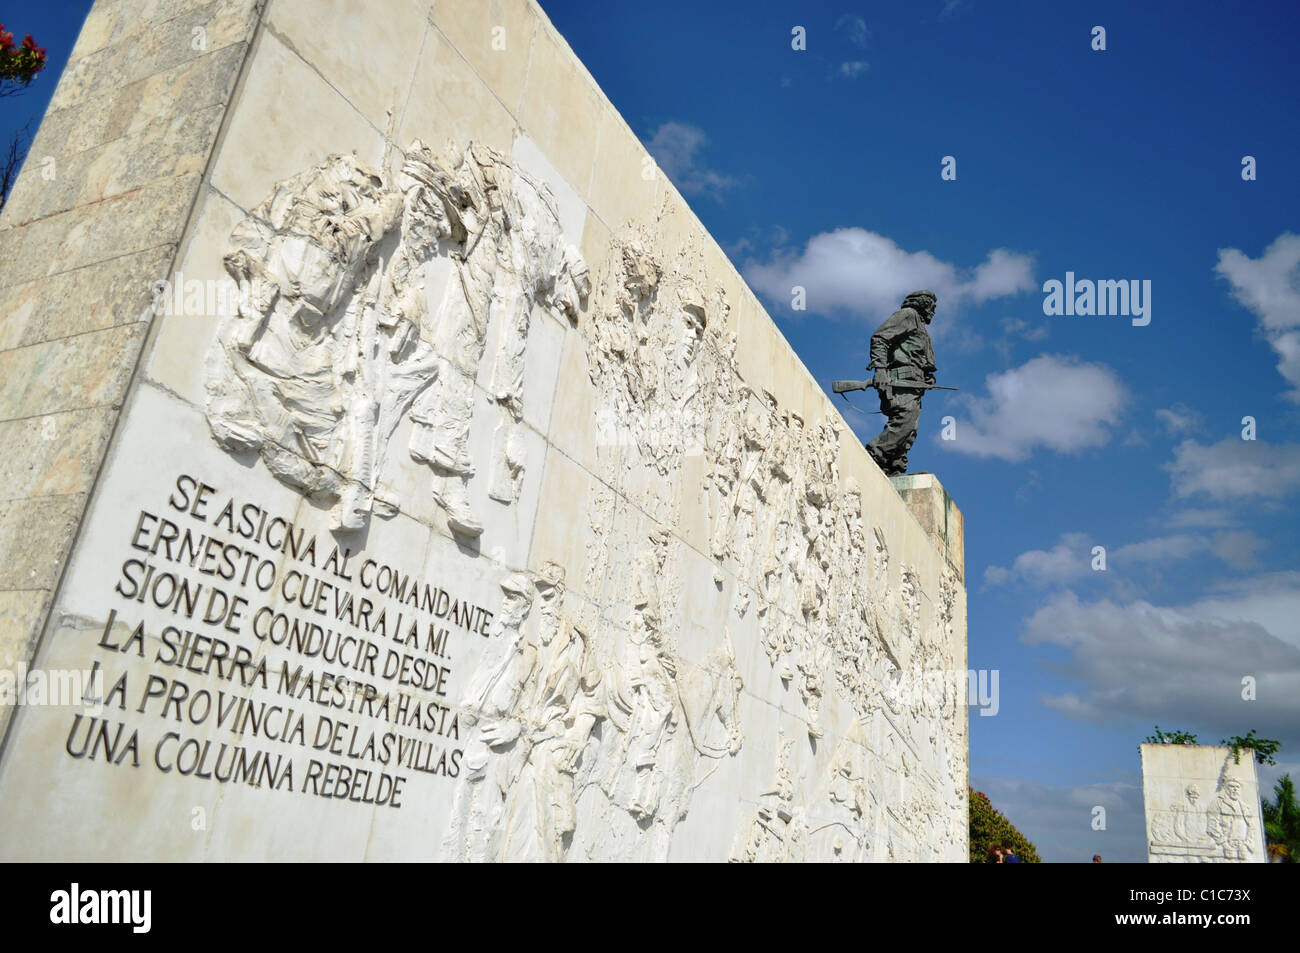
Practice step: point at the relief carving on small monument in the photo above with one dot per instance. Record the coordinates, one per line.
(1189, 831)
(334, 340)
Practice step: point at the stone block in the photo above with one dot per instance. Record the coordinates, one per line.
(34, 534)
(76, 373)
(559, 107)
(368, 52)
(454, 103)
(274, 132)
(938, 515)
(147, 217)
(53, 455)
(625, 182)
(495, 37)
(108, 294)
(1202, 805)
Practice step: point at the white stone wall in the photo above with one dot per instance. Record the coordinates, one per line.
(605, 574)
(1202, 805)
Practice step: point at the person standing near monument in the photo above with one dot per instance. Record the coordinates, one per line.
(901, 354)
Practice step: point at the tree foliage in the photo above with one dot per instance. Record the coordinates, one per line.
(1170, 738)
(1264, 748)
(19, 64)
(989, 826)
(1282, 821)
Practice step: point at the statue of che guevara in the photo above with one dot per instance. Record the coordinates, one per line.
(903, 359)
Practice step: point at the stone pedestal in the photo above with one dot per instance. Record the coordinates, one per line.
(938, 515)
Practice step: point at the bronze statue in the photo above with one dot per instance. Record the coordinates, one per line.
(903, 359)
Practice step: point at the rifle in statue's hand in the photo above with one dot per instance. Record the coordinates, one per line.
(843, 387)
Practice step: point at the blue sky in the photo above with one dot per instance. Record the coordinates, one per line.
(821, 168)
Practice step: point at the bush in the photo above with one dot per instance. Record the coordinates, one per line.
(988, 826)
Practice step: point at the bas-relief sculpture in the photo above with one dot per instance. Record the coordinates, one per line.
(586, 714)
(1211, 819)
(334, 341)
(1224, 831)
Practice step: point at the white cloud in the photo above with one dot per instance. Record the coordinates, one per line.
(949, 8)
(1270, 600)
(1067, 560)
(1181, 665)
(1014, 329)
(1159, 549)
(1057, 819)
(1238, 548)
(1180, 419)
(1053, 401)
(852, 69)
(1235, 469)
(855, 28)
(675, 147)
(1018, 327)
(852, 271)
(1002, 275)
(1270, 287)
(1071, 558)
(1209, 517)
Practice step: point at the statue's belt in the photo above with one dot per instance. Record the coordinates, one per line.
(899, 375)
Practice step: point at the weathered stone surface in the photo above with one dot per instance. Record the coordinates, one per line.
(275, 131)
(21, 612)
(156, 151)
(34, 534)
(938, 515)
(629, 182)
(375, 85)
(84, 371)
(503, 65)
(1202, 805)
(454, 99)
(53, 455)
(95, 218)
(47, 309)
(144, 218)
(558, 89)
(149, 39)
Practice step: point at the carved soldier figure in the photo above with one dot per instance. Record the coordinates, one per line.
(1189, 823)
(313, 370)
(1229, 822)
(901, 352)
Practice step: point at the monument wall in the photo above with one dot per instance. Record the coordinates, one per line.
(1202, 805)
(462, 502)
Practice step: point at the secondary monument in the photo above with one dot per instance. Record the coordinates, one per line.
(1202, 805)
(416, 479)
